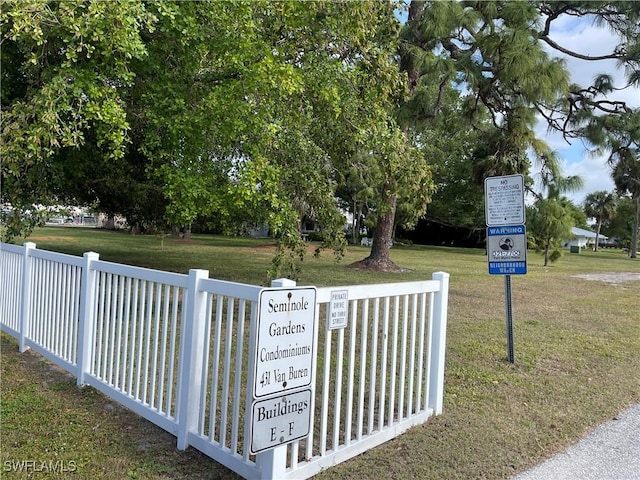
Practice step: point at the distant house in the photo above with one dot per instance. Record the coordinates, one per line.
(583, 238)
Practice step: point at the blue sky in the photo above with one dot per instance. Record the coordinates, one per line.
(582, 36)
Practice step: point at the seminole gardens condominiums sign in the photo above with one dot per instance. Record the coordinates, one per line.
(284, 353)
(284, 356)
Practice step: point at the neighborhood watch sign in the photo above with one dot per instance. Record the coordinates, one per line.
(507, 250)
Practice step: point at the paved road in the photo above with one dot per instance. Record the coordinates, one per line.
(610, 452)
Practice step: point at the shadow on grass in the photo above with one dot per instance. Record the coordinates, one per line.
(45, 417)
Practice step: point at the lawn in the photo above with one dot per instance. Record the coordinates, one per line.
(576, 349)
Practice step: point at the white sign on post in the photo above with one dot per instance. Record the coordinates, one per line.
(283, 363)
(284, 344)
(280, 420)
(338, 308)
(504, 200)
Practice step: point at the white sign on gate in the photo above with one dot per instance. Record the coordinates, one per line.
(280, 420)
(284, 344)
(504, 200)
(338, 308)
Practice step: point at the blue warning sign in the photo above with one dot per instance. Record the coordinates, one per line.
(507, 250)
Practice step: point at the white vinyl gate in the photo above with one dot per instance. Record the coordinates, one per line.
(174, 348)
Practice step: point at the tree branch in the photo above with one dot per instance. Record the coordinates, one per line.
(556, 46)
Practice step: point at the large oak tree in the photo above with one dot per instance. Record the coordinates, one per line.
(166, 111)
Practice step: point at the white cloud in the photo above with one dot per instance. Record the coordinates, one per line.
(582, 36)
(595, 173)
(587, 39)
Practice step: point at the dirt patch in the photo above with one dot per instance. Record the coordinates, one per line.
(377, 266)
(616, 278)
(50, 238)
(182, 241)
(310, 247)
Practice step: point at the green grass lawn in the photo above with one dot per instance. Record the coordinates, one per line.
(577, 345)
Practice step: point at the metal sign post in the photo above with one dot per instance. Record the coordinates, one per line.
(509, 314)
(506, 238)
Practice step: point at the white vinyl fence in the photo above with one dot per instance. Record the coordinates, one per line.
(175, 349)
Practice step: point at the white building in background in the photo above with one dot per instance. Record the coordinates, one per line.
(583, 238)
(67, 215)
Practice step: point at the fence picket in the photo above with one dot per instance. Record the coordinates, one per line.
(26, 293)
(383, 363)
(338, 388)
(374, 364)
(350, 382)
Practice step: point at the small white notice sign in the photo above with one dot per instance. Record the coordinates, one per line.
(338, 309)
(504, 200)
(284, 344)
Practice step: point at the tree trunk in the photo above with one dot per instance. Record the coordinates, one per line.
(110, 224)
(187, 233)
(595, 248)
(633, 249)
(379, 258)
(355, 224)
(416, 7)
(546, 255)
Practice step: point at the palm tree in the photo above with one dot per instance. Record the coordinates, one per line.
(601, 206)
(626, 175)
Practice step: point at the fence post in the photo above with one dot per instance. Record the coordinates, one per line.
(191, 357)
(25, 303)
(85, 319)
(273, 462)
(438, 343)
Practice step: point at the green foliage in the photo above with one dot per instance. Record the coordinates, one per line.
(551, 217)
(618, 135)
(70, 61)
(158, 110)
(621, 225)
(73, 56)
(13, 224)
(490, 51)
(283, 94)
(498, 52)
(548, 225)
(170, 111)
(601, 206)
(577, 214)
(487, 51)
